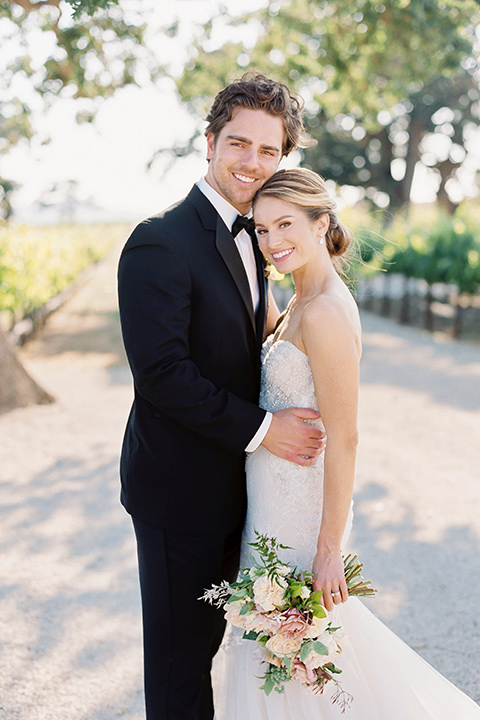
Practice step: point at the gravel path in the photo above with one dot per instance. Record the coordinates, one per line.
(70, 645)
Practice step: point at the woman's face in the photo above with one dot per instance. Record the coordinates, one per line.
(286, 235)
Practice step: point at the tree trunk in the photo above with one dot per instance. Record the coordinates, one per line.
(17, 388)
(458, 319)
(386, 306)
(428, 317)
(404, 313)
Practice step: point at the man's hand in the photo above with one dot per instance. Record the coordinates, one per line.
(293, 439)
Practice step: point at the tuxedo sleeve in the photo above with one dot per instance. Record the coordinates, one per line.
(155, 294)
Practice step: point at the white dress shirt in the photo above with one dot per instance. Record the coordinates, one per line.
(244, 246)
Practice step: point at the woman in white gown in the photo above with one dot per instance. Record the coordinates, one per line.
(312, 360)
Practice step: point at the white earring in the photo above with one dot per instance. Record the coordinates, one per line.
(320, 239)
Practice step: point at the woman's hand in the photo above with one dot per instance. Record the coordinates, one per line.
(329, 577)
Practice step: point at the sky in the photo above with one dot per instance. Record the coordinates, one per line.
(108, 159)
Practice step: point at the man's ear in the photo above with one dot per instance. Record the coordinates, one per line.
(210, 145)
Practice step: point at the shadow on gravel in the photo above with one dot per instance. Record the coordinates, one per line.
(434, 585)
(73, 581)
(448, 372)
(96, 332)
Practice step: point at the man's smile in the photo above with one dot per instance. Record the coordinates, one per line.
(244, 178)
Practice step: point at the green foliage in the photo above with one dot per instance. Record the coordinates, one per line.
(90, 7)
(378, 79)
(84, 58)
(438, 249)
(36, 263)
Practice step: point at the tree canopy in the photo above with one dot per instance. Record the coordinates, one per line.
(51, 50)
(379, 81)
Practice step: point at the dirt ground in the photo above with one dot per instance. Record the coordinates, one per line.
(70, 635)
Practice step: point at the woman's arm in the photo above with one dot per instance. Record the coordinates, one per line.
(329, 339)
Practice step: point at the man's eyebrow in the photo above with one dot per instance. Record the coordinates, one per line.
(249, 142)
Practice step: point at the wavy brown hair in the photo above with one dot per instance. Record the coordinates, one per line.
(255, 91)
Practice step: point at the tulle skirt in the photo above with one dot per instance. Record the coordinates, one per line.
(387, 679)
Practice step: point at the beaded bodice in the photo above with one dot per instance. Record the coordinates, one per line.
(285, 499)
(286, 377)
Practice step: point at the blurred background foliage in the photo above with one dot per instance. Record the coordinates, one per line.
(381, 80)
(37, 263)
(389, 88)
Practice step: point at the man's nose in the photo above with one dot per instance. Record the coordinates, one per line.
(250, 158)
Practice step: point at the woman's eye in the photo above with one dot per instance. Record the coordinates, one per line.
(261, 231)
(284, 224)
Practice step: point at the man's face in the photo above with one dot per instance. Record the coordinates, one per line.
(245, 154)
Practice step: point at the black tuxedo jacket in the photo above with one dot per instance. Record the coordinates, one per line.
(193, 344)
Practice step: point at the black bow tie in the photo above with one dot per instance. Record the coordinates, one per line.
(241, 223)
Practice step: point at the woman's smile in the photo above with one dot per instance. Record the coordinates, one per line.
(281, 254)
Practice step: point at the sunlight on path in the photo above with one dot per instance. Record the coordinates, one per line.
(69, 600)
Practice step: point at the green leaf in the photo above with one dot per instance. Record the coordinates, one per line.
(267, 686)
(305, 650)
(316, 596)
(296, 591)
(241, 593)
(320, 648)
(252, 635)
(245, 608)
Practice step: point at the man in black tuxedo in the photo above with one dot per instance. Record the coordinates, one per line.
(193, 305)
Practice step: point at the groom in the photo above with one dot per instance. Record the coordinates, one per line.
(194, 311)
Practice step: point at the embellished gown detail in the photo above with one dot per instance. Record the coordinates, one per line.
(387, 679)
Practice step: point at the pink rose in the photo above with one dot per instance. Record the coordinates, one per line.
(302, 673)
(267, 622)
(293, 624)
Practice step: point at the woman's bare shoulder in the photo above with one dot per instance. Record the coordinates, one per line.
(331, 318)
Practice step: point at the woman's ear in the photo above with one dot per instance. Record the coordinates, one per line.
(323, 223)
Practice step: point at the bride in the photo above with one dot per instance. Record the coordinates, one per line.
(312, 360)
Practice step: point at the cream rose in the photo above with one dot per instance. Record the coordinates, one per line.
(318, 626)
(273, 659)
(268, 593)
(315, 660)
(280, 645)
(232, 614)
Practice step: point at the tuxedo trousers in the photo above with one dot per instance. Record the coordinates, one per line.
(181, 633)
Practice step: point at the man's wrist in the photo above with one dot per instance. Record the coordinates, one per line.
(260, 434)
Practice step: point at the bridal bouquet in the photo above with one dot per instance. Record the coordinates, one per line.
(277, 608)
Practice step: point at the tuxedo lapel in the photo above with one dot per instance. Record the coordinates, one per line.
(231, 257)
(227, 248)
(262, 310)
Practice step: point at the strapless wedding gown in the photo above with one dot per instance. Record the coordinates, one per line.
(387, 679)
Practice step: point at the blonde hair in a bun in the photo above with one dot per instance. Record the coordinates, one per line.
(307, 190)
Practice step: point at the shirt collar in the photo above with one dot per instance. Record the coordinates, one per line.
(226, 211)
